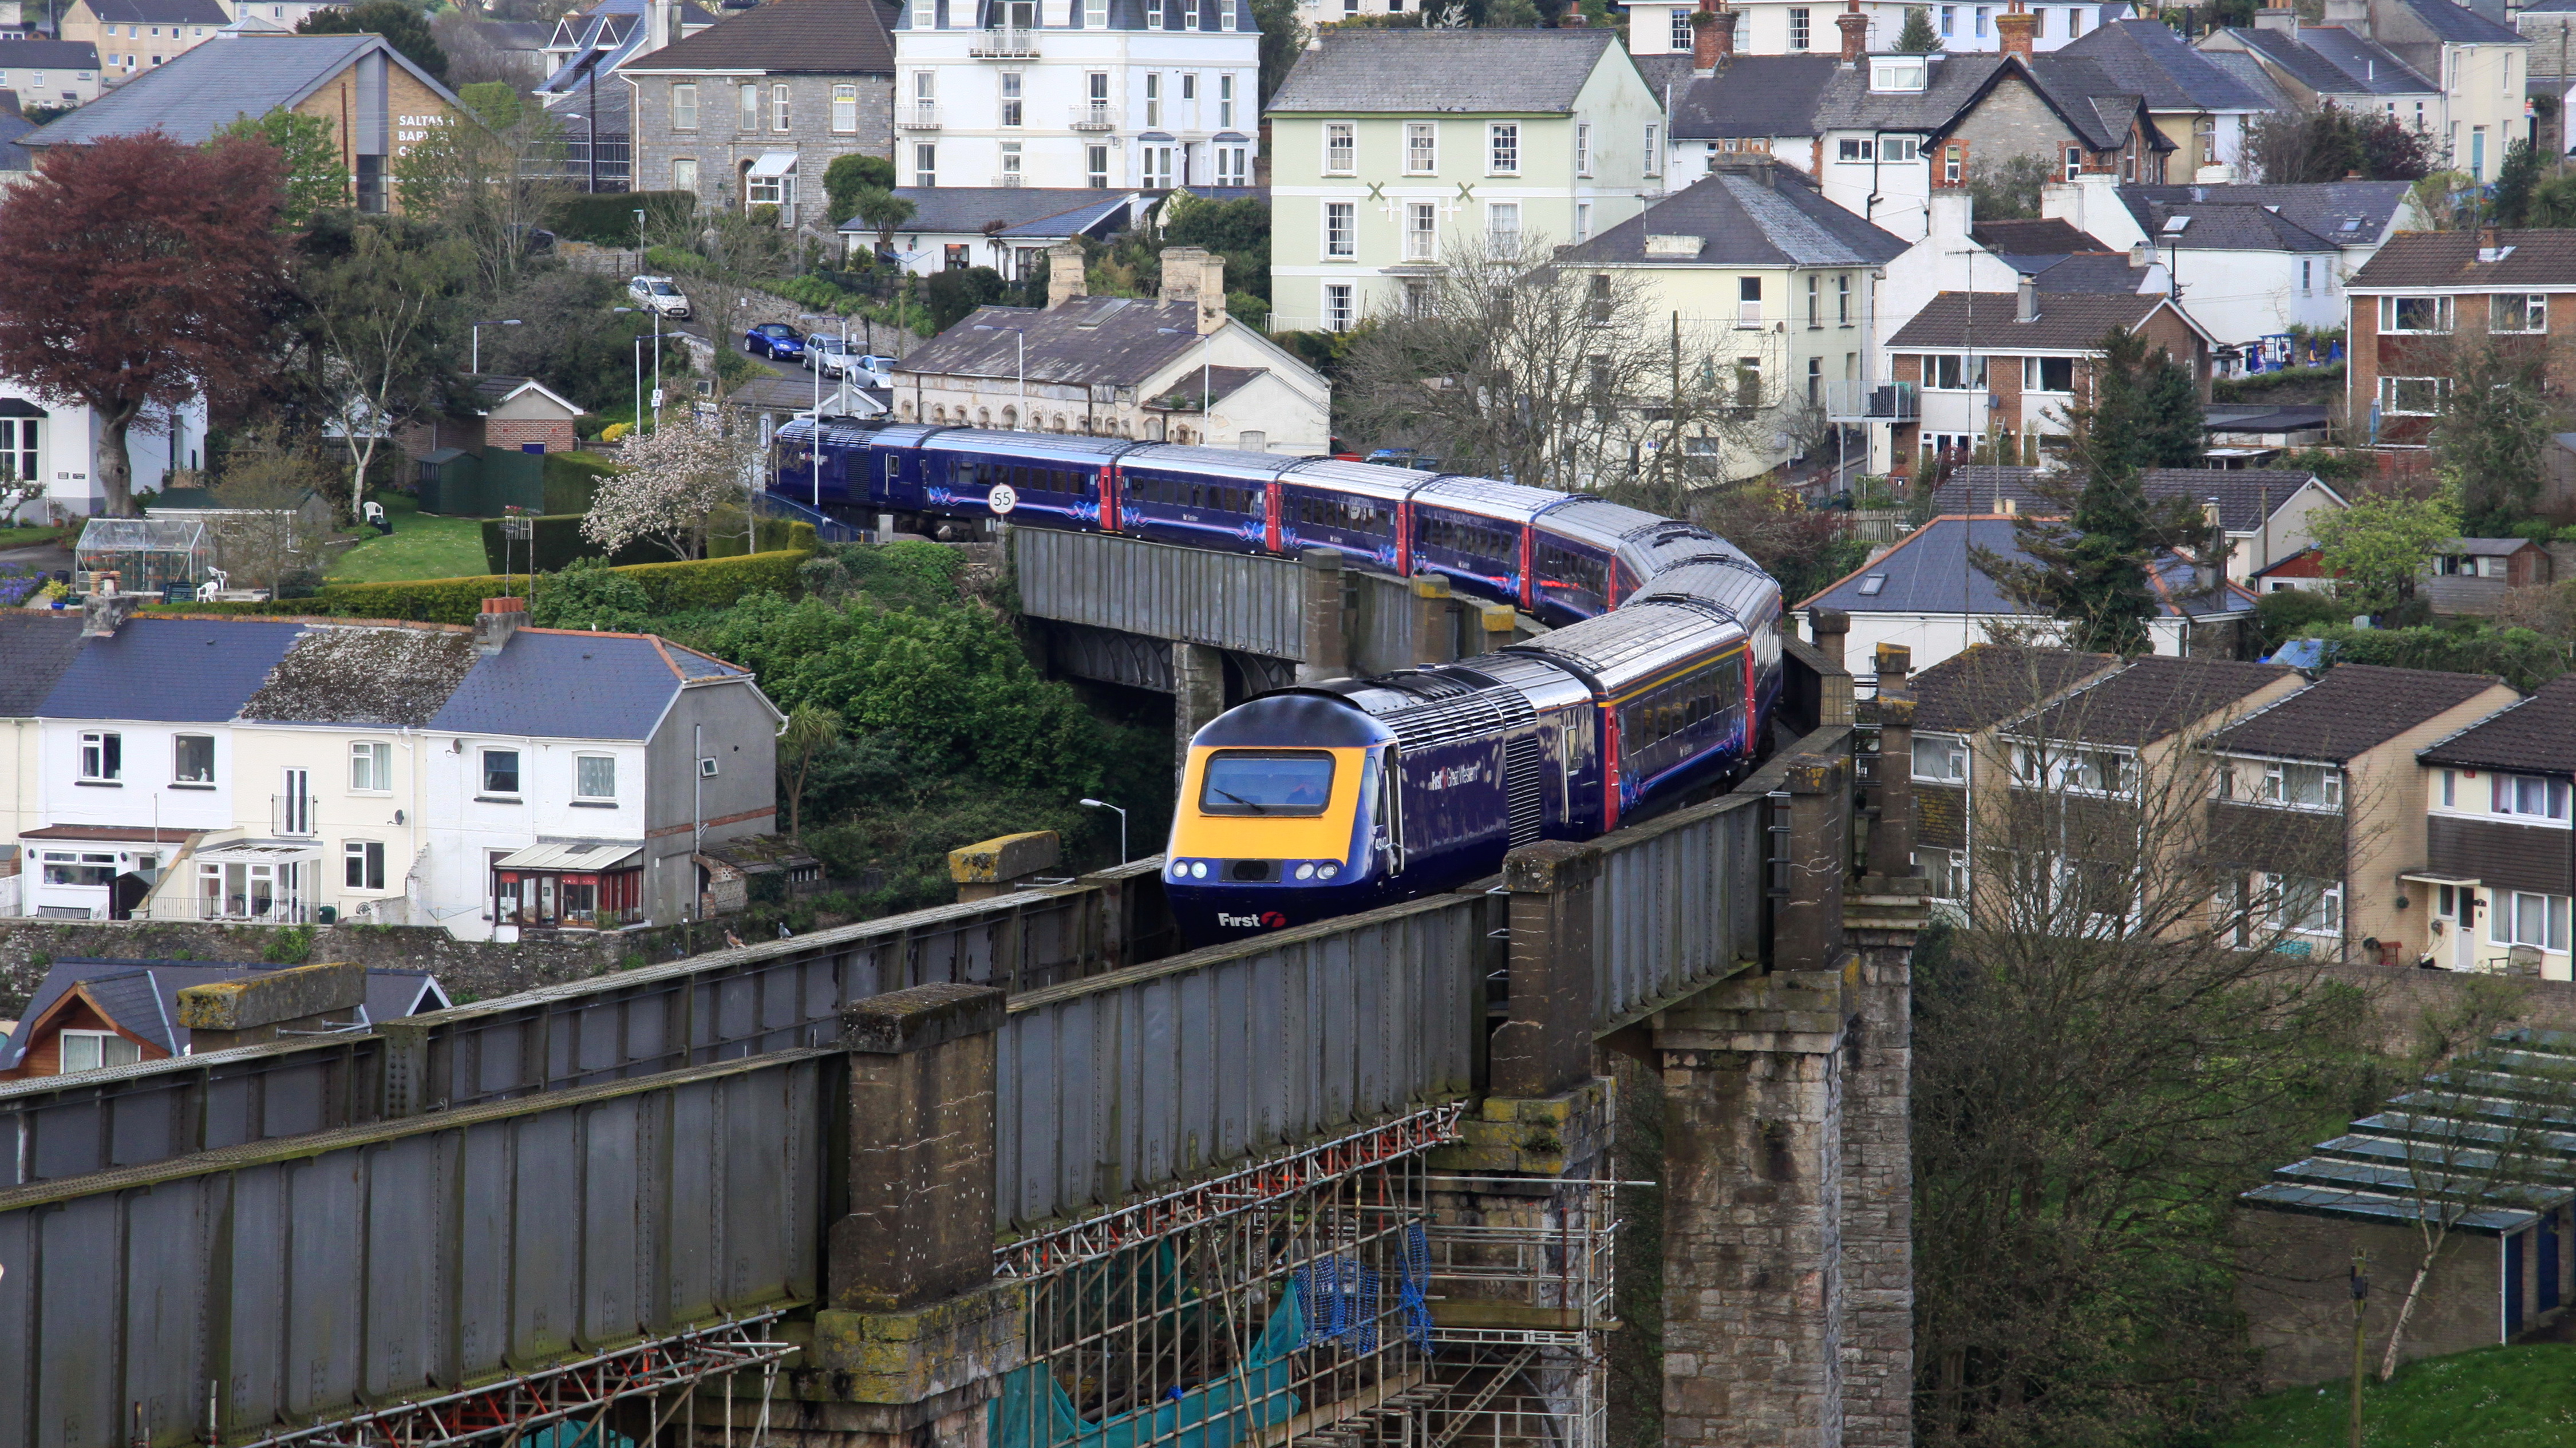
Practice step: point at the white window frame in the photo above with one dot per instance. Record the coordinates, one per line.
(102, 756)
(97, 1053)
(2277, 896)
(1340, 307)
(581, 791)
(1939, 867)
(925, 163)
(2533, 306)
(1801, 30)
(1422, 148)
(1502, 148)
(1341, 145)
(747, 99)
(1341, 231)
(684, 105)
(379, 766)
(367, 859)
(2390, 307)
(2506, 912)
(518, 769)
(684, 173)
(1422, 231)
(1681, 37)
(1501, 238)
(1654, 150)
(1948, 751)
(188, 781)
(782, 118)
(1582, 148)
(845, 109)
(2394, 390)
(2507, 792)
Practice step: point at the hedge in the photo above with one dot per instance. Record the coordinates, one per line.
(608, 218)
(673, 587)
(556, 540)
(570, 479)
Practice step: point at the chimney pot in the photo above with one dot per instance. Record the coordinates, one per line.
(1855, 28)
(1572, 19)
(2014, 29)
(2281, 18)
(1712, 38)
(2026, 300)
(1065, 280)
(500, 618)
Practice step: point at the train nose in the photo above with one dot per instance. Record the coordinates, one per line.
(1252, 871)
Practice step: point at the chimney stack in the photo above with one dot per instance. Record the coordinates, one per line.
(1712, 38)
(1855, 28)
(661, 24)
(1064, 274)
(2026, 300)
(2279, 17)
(1196, 275)
(500, 618)
(2352, 15)
(1573, 18)
(1831, 627)
(2014, 29)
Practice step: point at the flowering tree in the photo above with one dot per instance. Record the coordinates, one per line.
(673, 482)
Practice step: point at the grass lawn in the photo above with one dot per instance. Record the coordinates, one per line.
(2497, 1397)
(421, 546)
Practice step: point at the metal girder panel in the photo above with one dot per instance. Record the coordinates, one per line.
(1113, 1084)
(1678, 905)
(1227, 600)
(404, 1264)
(325, 1326)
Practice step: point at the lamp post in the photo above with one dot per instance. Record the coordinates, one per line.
(640, 247)
(476, 365)
(1207, 376)
(1024, 365)
(1122, 823)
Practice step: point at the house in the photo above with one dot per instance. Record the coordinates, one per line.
(2470, 575)
(1177, 368)
(17, 163)
(378, 102)
(752, 110)
(132, 37)
(1927, 594)
(1775, 27)
(57, 442)
(2017, 362)
(509, 414)
(2318, 809)
(2334, 64)
(2266, 515)
(2304, 570)
(2252, 262)
(281, 14)
(1149, 94)
(1776, 283)
(89, 1014)
(36, 646)
(2550, 69)
(2196, 104)
(1958, 704)
(2444, 69)
(490, 781)
(1396, 150)
(50, 72)
(2421, 1167)
(1007, 228)
(2499, 869)
(1882, 132)
(2405, 303)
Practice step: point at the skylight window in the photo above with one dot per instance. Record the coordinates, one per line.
(1873, 585)
(2351, 223)
(2175, 224)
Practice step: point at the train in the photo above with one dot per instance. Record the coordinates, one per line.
(1656, 678)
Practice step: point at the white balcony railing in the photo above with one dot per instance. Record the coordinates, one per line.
(1096, 116)
(1010, 178)
(1873, 400)
(918, 116)
(1004, 42)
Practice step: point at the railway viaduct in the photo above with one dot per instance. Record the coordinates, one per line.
(1006, 1175)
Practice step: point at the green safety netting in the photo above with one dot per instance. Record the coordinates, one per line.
(1034, 1410)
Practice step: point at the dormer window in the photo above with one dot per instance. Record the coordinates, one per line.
(1898, 73)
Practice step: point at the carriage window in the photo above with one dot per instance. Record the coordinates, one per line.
(1245, 782)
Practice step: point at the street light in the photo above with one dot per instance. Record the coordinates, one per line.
(638, 423)
(1207, 385)
(1122, 824)
(1024, 366)
(477, 329)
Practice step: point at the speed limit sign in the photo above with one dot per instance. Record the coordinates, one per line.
(1004, 498)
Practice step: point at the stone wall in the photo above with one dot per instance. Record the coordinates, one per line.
(721, 146)
(2404, 995)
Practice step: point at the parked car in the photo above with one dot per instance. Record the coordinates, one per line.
(775, 339)
(825, 353)
(656, 294)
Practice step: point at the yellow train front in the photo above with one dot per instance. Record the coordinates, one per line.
(1282, 819)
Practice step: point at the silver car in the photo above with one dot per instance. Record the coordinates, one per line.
(656, 294)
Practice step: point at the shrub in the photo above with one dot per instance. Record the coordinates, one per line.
(555, 542)
(608, 218)
(570, 476)
(669, 588)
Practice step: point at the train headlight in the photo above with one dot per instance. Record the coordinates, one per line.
(1198, 870)
(1305, 872)
(1180, 869)
(1328, 871)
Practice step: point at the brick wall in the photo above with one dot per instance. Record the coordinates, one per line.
(512, 434)
(722, 148)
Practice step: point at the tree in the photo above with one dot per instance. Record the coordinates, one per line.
(403, 26)
(1283, 39)
(386, 311)
(1917, 37)
(471, 55)
(810, 728)
(142, 273)
(2329, 143)
(308, 154)
(671, 485)
(2378, 547)
(880, 208)
(489, 177)
(2009, 191)
(2088, 556)
(1238, 231)
(2170, 430)
(261, 535)
(1558, 376)
(2496, 417)
(2516, 181)
(850, 175)
(955, 292)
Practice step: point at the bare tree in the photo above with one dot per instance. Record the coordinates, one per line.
(490, 176)
(261, 533)
(1557, 376)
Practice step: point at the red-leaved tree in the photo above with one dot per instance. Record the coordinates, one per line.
(141, 272)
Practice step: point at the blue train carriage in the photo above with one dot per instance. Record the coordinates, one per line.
(819, 466)
(1354, 509)
(1198, 497)
(1574, 558)
(1738, 585)
(1035, 479)
(1673, 681)
(1476, 532)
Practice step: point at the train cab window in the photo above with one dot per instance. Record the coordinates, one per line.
(1249, 782)
(894, 467)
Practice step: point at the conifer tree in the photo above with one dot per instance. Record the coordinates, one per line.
(1918, 37)
(2170, 432)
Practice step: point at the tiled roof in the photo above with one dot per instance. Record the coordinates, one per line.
(2537, 735)
(2150, 58)
(2248, 72)
(1765, 216)
(1469, 72)
(171, 670)
(783, 37)
(142, 996)
(1022, 209)
(2458, 24)
(2345, 213)
(48, 55)
(2331, 60)
(2450, 259)
(2051, 237)
(2105, 274)
(1212, 384)
(557, 684)
(2207, 226)
(1090, 340)
(160, 12)
(200, 91)
(2244, 496)
(1989, 683)
(35, 648)
(1770, 95)
(2353, 709)
(1932, 571)
(368, 676)
(1985, 321)
(2152, 698)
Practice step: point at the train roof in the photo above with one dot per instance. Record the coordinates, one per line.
(1054, 446)
(1227, 462)
(904, 434)
(1597, 521)
(1635, 642)
(1313, 719)
(1360, 480)
(1722, 583)
(1487, 498)
(1671, 544)
(853, 434)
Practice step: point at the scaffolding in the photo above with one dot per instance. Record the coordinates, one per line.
(1343, 1295)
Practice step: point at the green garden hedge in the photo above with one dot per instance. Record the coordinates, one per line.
(556, 540)
(608, 218)
(673, 587)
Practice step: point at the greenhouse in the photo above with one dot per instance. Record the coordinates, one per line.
(145, 555)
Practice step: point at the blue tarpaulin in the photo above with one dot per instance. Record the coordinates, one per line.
(1034, 1411)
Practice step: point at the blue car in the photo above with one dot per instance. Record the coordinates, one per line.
(774, 339)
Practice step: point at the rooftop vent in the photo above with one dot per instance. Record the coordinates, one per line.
(1675, 248)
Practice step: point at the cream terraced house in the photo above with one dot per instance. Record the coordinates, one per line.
(1393, 149)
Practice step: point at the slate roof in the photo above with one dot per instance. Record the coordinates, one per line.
(1767, 95)
(366, 676)
(1989, 683)
(48, 55)
(14, 157)
(1218, 384)
(2321, 209)
(783, 37)
(2150, 699)
(564, 684)
(1668, 76)
(2067, 322)
(2331, 60)
(1472, 72)
(1019, 209)
(36, 646)
(2241, 494)
(1930, 571)
(2248, 72)
(1116, 341)
(2450, 259)
(2458, 24)
(2149, 58)
(200, 91)
(2353, 709)
(160, 12)
(2051, 237)
(1796, 95)
(142, 996)
(2537, 735)
(2217, 227)
(170, 670)
(1766, 216)
(2106, 274)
